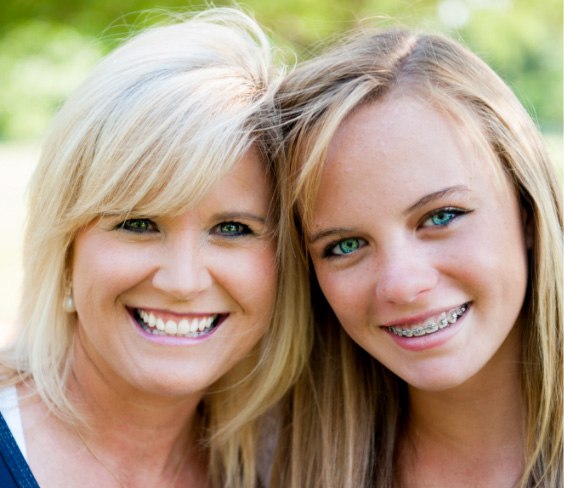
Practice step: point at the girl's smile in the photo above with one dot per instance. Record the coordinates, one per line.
(416, 328)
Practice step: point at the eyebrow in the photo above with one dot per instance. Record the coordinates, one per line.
(241, 216)
(436, 195)
(328, 233)
(336, 231)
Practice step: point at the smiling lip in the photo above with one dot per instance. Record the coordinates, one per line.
(416, 327)
(166, 324)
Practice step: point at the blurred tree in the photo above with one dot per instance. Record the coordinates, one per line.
(47, 46)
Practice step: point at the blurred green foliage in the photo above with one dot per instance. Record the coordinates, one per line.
(47, 47)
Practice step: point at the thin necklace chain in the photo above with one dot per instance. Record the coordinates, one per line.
(114, 475)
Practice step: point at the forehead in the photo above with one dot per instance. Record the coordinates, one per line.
(402, 128)
(397, 150)
(248, 180)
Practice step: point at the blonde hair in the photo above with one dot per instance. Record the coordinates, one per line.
(157, 123)
(348, 408)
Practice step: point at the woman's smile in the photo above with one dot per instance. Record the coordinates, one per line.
(157, 322)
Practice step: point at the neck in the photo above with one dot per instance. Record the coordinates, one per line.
(485, 408)
(478, 423)
(121, 421)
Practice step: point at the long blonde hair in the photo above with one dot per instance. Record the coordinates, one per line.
(156, 124)
(345, 415)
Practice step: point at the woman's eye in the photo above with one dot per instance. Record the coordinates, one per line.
(344, 247)
(232, 229)
(442, 217)
(139, 226)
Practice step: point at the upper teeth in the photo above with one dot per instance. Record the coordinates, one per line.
(431, 325)
(186, 327)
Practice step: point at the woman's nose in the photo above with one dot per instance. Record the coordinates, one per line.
(183, 271)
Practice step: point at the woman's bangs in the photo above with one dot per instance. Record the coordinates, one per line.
(163, 168)
(168, 180)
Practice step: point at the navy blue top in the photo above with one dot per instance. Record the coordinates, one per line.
(14, 470)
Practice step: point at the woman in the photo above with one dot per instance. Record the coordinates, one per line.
(162, 313)
(433, 221)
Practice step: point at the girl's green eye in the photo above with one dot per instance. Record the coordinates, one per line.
(443, 217)
(346, 246)
(138, 225)
(231, 229)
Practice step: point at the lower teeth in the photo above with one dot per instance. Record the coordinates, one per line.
(156, 331)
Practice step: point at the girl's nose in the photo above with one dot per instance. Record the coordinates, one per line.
(404, 276)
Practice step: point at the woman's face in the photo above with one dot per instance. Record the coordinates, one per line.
(168, 305)
(418, 246)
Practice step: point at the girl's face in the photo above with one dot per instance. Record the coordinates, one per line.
(418, 246)
(167, 305)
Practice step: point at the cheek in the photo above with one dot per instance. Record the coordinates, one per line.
(490, 266)
(350, 296)
(347, 292)
(503, 280)
(104, 269)
(331, 289)
(266, 286)
(255, 281)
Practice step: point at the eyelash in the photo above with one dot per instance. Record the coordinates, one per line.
(127, 225)
(243, 229)
(453, 212)
(238, 229)
(329, 251)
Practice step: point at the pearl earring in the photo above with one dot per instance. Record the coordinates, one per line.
(68, 304)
